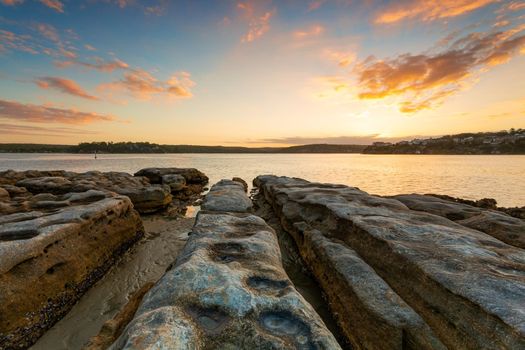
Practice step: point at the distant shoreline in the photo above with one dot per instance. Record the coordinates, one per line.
(483, 143)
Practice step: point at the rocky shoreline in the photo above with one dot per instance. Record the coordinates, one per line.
(400, 272)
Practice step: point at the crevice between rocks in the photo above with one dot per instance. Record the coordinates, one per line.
(296, 269)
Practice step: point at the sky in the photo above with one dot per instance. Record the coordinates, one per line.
(258, 72)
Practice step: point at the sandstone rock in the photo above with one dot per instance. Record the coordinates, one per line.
(192, 175)
(504, 227)
(466, 285)
(176, 182)
(227, 195)
(227, 290)
(146, 198)
(51, 256)
(4, 195)
(47, 184)
(242, 182)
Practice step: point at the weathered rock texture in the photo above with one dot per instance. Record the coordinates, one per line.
(227, 290)
(51, 254)
(504, 227)
(227, 194)
(194, 179)
(146, 197)
(398, 278)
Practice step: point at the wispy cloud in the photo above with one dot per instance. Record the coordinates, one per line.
(143, 85)
(23, 112)
(258, 20)
(64, 85)
(309, 32)
(426, 79)
(342, 57)
(425, 10)
(334, 140)
(31, 130)
(98, 64)
(56, 5)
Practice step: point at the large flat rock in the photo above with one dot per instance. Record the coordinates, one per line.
(467, 286)
(504, 227)
(227, 290)
(51, 254)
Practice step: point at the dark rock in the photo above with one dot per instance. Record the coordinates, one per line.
(176, 182)
(192, 175)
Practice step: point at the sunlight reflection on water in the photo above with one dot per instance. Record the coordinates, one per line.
(471, 177)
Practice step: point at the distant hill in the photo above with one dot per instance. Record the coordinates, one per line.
(147, 147)
(501, 142)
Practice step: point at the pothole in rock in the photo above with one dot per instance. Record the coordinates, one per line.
(266, 284)
(212, 321)
(285, 323)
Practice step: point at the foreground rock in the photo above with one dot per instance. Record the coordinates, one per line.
(146, 198)
(227, 290)
(52, 252)
(398, 278)
(504, 227)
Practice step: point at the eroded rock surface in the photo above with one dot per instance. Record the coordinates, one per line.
(52, 252)
(146, 197)
(380, 263)
(195, 180)
(227, 290)
(227, 195)
(504, 227)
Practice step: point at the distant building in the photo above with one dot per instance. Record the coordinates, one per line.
(382, 144)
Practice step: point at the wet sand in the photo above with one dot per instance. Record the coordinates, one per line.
(145, 262)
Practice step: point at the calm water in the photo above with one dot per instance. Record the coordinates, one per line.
(471, 177)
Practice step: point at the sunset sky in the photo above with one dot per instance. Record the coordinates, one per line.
(260, 72)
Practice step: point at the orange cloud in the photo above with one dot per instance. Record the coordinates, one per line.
(427, 79)
(54, 4)
(143, 85)
(313, 31)
(258, 20)
(43, 114)
(343, 58)
(64, 85)
(99, 64)
(428, 10)
(31, 130)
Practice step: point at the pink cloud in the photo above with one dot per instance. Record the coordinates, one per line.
(64, 85)
(54, 4)
(99, 64)
(11, 2)
(312, 31)
(22, 112)
(257, 18)
(143, 85)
